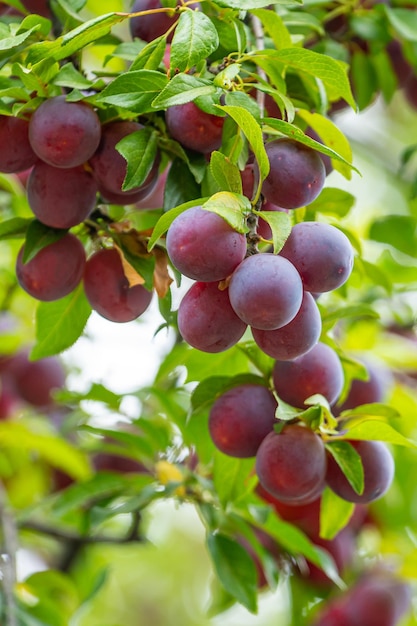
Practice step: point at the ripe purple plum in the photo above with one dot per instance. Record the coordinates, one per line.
(266, 292)
(322, 254)
(241, 418)
(108, 289)
(61, 198)
(203, 246)
(296, 176)
(378, 470)
(16, 154)
(375, 389)
(109, 166)
(149, 27)
(64, 134)
(319, 371)
(206, 319)
(379, 599)
(295, 338)
(327, 162)
(155, 198)
(193, 128)
(55, 271)
(291, 465)
(35, 381)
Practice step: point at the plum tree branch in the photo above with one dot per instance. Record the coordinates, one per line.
(260, 44)
(8, 558)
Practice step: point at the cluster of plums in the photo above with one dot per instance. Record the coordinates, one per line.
(274, 294)
(74, 163)
(293, 463)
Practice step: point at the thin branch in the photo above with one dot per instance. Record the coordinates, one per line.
(8, 558)
(260, 45)
(63, 535)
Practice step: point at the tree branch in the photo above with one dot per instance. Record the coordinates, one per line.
(8, 558)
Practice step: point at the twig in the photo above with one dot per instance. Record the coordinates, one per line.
(8, 558)
(260, 45)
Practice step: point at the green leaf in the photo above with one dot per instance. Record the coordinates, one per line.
(39, 236)
(225, 173)
(332, 201)
(76, 39)
(231, 477)
(274, 26)
(332, 73)
(235, 569)
(280, 224)
(69, 76)
(349, 462)
(134, 90)
(60, 323)
(373, 430)
(55, 592)
(11, 44)
(99, 486)
(54, 450)
(15, 228)
(166, 220)
(364, 78)
(195, 38)
(331, 317)
(399, 231)
(151, 55)
(231, 207)
(97, 393)
(252, 131)
(139, 149)
(182, 88)
(296, 542)
(404, 22)
(332, 137)
(180, 186)
(334, 514)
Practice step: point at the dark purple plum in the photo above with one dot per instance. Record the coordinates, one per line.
(55, 271)
(108, 289)
(16, 154)
(378, 470)
(291, 465)
(64, 134)
(241, 418)
(322, 254)
(193, 128)
(374, 389)
(206, 319)
(296, 176)
(295, 338)
(319, 371)
(35, 381)
(265, 292)
(203, 246)
(61, 198)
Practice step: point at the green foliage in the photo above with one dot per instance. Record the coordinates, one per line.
(87, 479)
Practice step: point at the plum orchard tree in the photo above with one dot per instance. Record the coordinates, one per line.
(285, 412)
